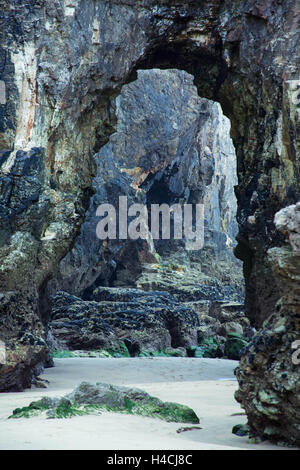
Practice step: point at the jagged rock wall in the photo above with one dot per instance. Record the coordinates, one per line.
(63, 64)
(268, 375)
(170, 146)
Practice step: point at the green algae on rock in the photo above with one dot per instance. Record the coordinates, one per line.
(89, 399)
(34, 409)
(234, 346)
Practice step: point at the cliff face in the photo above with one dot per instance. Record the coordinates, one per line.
(62, 66)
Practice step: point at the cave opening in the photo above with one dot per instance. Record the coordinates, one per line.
(175, 147)
(170, 146)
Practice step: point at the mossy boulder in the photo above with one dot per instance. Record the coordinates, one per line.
(89, 399)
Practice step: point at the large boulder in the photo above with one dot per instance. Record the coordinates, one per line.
(88, 398)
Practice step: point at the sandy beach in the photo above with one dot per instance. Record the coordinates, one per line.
(206, 385)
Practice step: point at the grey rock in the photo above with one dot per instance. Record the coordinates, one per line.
(64, 67)
(287, 221)
(151, 320)
(88, 398)
(170, 146)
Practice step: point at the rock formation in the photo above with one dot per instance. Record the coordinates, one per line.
(268, 375)
(62, 66)
(170, 146)
(88, 398)
(148, 320)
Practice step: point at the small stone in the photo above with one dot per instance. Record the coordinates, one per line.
(241, 430)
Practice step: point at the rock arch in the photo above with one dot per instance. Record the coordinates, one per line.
(63, 64)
